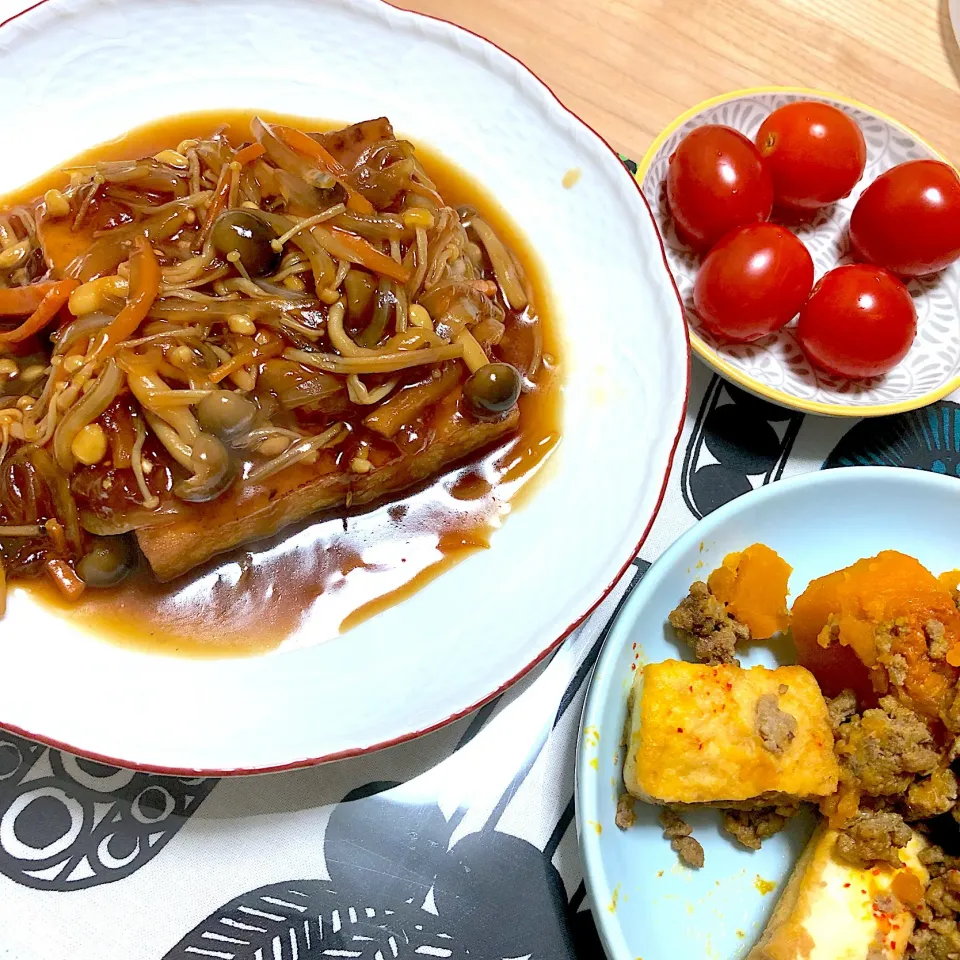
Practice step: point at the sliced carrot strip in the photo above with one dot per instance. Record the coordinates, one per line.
(19, 301)
(56, 296)
(65, 578)
(249, 153)
(348, 246)
(299, 141)
(144, 287)
(245, 358)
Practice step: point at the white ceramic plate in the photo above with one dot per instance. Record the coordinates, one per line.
(775, 367)
(98, 68)
(645, 904)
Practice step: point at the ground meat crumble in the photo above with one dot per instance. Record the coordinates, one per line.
(776, 728)
(884, 749)
(705, 623)
(752, 827)
(874, 838)
(937, 644)
(625, 816)
(678, 832)
(937, 935)
(891, 759)
(840, 709)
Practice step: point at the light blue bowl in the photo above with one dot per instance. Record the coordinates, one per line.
(645, 904)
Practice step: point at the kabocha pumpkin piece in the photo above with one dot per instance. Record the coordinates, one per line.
(753, 585)
(885, 623)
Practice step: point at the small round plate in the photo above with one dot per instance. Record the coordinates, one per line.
(775, 367)
(646, 904)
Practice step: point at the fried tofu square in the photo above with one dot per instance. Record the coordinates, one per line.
(725, 734)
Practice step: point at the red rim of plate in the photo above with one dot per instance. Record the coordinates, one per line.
(404, 738)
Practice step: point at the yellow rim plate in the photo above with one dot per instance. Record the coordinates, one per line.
(710, 355)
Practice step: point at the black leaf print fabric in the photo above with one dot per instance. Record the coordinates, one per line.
(67, 823)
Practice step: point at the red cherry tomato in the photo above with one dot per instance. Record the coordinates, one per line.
(908, 219)
(815, 154)
(753, 282)
(716, 182)
(859, 322)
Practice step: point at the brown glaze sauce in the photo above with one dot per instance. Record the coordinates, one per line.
(334, 572)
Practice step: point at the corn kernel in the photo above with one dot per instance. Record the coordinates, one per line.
(172, 158)
(73, 363)
(8, 368)
(34, 372)
(238, 323)
(245, 379)
(93, 295)
(14, 255)
(294, 283)
(57, 204)
(90, 444)
(418, 217)
(273, 446)
(419, 317)
(181, 356)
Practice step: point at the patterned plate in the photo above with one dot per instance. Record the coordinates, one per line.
(775, 367)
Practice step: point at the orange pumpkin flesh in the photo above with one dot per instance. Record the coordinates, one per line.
(753, 585)
(835, 623)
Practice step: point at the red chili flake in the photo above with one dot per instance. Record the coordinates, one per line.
(729, 685)
(893, 944)
(691, 689)
(634, 646)
(864, 892)
(846, 885)
(700, 747)
(633, 666)
(679, 729)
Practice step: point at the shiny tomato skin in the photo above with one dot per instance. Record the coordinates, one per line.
(908, 219)
(753, 282)
(859, 322)
(815, 154)
(716, 182)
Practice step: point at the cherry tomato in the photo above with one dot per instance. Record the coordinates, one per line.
(716, 182)
(753, 282)
(859, 321)
(815, 154)
(908, 219)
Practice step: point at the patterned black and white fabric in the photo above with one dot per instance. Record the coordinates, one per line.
(459, 845)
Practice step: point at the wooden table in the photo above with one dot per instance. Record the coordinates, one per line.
(628, 67)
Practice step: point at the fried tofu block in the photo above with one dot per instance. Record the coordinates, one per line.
(300, 491)
(724, 734)
(832, 910)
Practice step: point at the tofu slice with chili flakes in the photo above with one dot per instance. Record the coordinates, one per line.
(253, 513)
(722, 735)
(832, 910)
